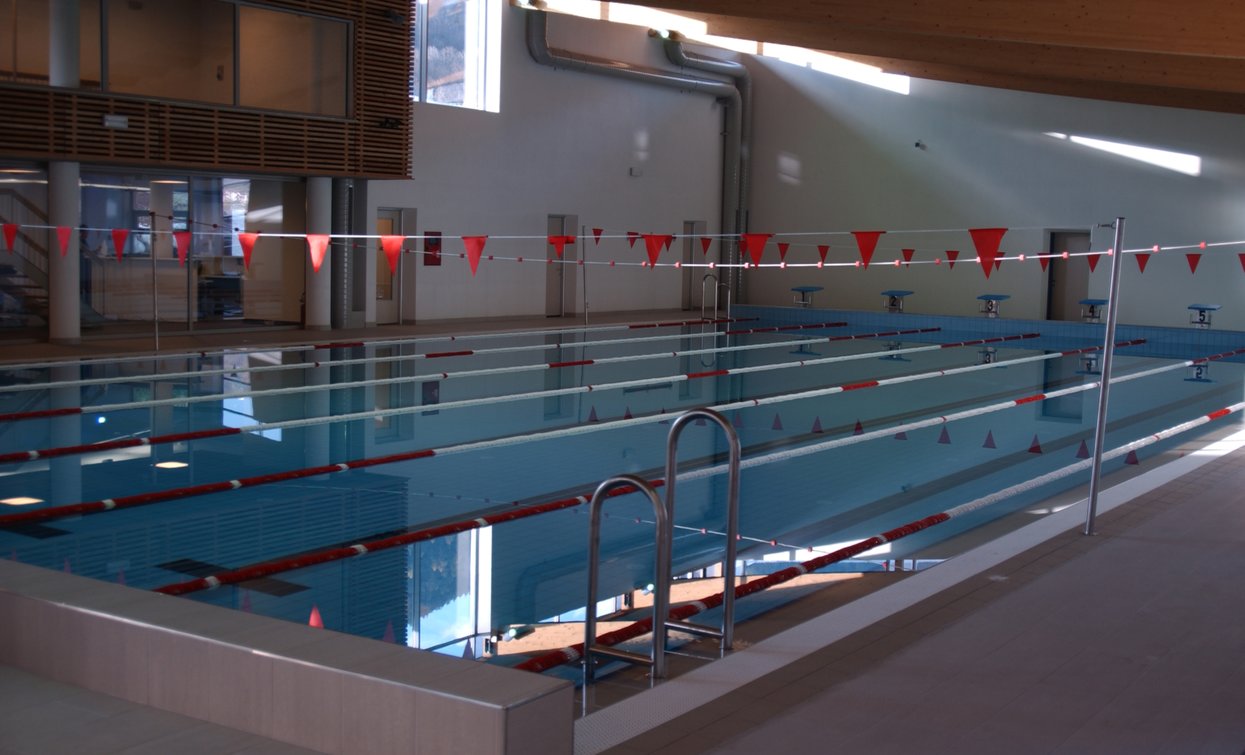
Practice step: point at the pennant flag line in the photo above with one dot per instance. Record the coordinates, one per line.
(1142, 260)
(475, 247)
(952, 256)
(867, 241)
(986, 241)
(754, 245)
(119, 235)
(596, 234)
(822, 249)
(317, 245)
(1193, 260)
(10, 235)
(247, 240)
(62, 235)
(1092, 260)
(182, 240)
(705, 241)
(392, 246)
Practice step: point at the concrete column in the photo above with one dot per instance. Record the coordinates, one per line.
(319, 288)
(64, 191)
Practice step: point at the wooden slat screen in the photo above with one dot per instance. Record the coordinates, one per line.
(43, 123)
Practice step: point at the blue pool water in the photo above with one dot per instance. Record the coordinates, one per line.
(437, 592)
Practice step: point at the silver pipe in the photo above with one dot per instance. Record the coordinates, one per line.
(661, 579)
(1100, 430)
(732, 510)
(703, 281)
(538, 47)
(737, 149)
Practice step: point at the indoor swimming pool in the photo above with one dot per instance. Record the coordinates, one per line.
(396, 458)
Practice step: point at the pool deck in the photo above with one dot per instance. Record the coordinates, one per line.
(1048, 640)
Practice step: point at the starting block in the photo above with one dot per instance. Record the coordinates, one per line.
(894, 300)
(804, 295)
(1091, 309)
(1199, 314)
(992, 304)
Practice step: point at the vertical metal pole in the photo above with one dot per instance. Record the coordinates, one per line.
(155, 300)
(1100, 430)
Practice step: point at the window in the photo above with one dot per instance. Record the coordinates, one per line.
(457, 53)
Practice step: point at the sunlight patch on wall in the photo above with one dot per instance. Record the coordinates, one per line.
(1190, 165)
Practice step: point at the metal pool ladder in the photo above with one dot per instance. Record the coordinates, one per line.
(717, 290)
(727, 632)
(661, 587)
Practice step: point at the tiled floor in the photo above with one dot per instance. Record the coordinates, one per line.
(1129, 641)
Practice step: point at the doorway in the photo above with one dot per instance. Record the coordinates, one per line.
(1067, 280)
(559, 282)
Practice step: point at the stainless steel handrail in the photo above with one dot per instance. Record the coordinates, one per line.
(727, 631)
(661, 580)
(717, 295)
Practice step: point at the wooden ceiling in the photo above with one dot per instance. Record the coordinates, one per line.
(1154, 52)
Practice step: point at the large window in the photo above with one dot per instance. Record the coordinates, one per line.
(457, 53)
(213, 51)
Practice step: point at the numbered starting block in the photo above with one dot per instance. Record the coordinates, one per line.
(1091, 309)
(1199, 314)
(992, 304)
(804, 295)
(893, 301)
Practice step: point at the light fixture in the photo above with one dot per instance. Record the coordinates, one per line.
(171, 464)
(20, 500)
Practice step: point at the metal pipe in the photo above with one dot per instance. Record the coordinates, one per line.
(703, 281)
(661, 579)
(729, 93)
(732, 511)
(1100, 430)
(737, 149)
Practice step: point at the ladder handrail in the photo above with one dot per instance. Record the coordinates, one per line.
(703, 281)
(732, 515)
(661, 580)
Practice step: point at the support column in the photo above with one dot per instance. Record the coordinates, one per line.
(64, 191)
(319, 288)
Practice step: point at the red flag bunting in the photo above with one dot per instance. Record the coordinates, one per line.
(989, 440)
(777, 423)
(944, 436)
(859, 429)
(119, 235)
(318, 244)
(392, 246)
(1142, 259)
(247, 240)
(1241, 257)
(1093, 261)
(987, 241)
(10, 235)
(475, 247)
(867, 241)
(1083, 451)
(314, 620)
(653, 243)
(1044, 261)
(817, 425)
(952, 255)
(705, 241)
(667, 240)
(907, 254)
(63, 233)
(1193, 260)
(559, 244)
(596, 234)
(631, 237)
(592, 415)
(754, 245)
(783, 246)
(182, 240)
(822, 249)
(1035, 447)
(1131, 458)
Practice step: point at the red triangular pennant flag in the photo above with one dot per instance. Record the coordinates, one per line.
(631, 237)
(247, 240)
(907, 254)
(705, 241)
(119, 235)
(596, 234)
(627, 413)
(62, 235)
(998, 262)
(822, 249)
(1043, 261)
(754, 245)
(989, 440)
(1083, 451)
(314, 620)
(901, 435)
(653, 243)
(1242, 259)
(817, 425)
(181, 239)
(317, 243)
(777, 423)
(867, 241)
(952, 256)
(667, 240)
(10, 235)
(1093, 261)
(783, 246)
(1142, 259)
(1193, 260)
(592, 415)
(559, 243)
(1132, 458)
(392, 246)
(474, 246)
(859, 429)
(987, 241)
(944, 436)
(1035, 447)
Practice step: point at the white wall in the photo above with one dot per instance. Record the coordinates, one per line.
(988, 163)
(563, 143)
